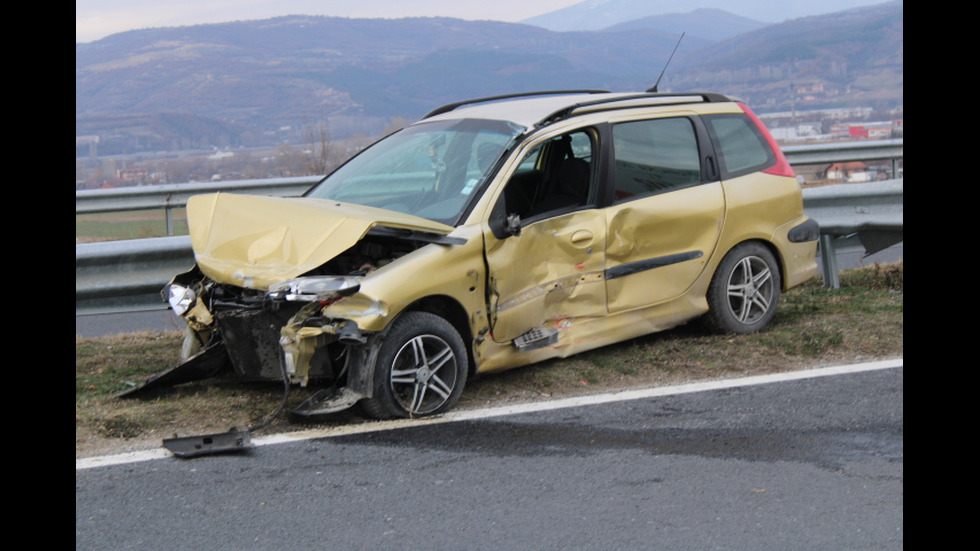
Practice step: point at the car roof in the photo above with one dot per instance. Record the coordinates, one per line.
(542, 108)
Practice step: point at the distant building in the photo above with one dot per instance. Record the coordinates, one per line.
(871, 130)
(842, 171)
(855, 171)
(131, 174)
(800, 132)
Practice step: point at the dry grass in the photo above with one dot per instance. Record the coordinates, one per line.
(814, 327)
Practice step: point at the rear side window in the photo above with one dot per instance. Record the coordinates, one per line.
(655, 155)
(741, 147)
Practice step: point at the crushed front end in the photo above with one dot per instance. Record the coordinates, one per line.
(279, 334)
(256, 300)
(267, 334)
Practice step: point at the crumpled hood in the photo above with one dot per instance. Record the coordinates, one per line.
(256, 241)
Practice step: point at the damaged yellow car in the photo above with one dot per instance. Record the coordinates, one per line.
(491, 234)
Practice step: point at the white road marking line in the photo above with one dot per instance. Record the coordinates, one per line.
(499, 411)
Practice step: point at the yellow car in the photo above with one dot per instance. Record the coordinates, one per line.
(491, 234)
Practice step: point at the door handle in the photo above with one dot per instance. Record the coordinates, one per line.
(582, 237)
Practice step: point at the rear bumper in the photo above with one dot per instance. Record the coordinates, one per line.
(797, 242)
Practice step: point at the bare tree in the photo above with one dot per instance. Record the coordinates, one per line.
(396, 123)
(320, 149)
(289, 161)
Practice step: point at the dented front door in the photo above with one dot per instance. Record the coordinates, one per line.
(549, 275)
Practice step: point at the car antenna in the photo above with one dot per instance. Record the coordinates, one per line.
(654, 89)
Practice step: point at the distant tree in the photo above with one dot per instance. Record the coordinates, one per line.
(289, 161)
(396, 123)
(319, 153)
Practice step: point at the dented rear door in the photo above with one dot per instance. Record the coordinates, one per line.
(667, 211)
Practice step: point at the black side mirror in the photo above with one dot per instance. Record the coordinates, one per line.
(513, 226)
(504, 225)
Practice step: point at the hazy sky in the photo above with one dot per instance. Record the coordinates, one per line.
(95, 19)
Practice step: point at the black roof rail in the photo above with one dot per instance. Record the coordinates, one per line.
(452, 106)
(707, 97)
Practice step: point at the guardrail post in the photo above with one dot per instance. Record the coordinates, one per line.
(831, 275)
(168, 215)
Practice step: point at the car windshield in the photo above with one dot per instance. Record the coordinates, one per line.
(432, 170)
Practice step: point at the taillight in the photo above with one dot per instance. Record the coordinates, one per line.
(782, 166)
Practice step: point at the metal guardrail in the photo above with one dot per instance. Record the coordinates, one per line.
(174, 196)
(126, 276)
(845, 152)
(872, 212)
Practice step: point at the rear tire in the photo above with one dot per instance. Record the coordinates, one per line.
(744, 292)
(421, 368)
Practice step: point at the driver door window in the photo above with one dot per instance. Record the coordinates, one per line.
(555, 177)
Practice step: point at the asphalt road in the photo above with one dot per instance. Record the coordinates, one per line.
(804, 464)
(163, 320)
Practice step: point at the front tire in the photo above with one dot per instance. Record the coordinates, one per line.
(745, 290)
(420, 370)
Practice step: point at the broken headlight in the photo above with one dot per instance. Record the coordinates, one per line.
(180, 298)
(315, 288)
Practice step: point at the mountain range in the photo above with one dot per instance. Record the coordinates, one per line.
(601, 14)
(262, 82)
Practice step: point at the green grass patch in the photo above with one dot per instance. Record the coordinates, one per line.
(128, 225)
